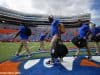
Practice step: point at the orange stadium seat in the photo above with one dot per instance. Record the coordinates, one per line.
(7, 31)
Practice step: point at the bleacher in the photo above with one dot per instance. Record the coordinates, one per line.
(7, 32)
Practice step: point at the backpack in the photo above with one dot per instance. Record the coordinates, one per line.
(76, 41)
(28, 31)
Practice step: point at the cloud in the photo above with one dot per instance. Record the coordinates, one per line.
(64, 7)
(51, 7)
(3, 3)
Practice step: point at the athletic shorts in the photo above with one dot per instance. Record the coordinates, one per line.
(79, 42)
(60, 50)
(95, 38)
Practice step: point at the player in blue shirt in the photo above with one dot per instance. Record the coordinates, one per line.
(24, 38)
(56, 35)
(80, 41)
(43, 35)
(84, 29)
(22, 35)
(95, 31)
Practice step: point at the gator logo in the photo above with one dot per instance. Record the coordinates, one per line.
(69, 66)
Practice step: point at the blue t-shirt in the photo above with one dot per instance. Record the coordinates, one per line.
(54, 27)
(95, 31)
(42, 36)
(22, 33)
(83, 30)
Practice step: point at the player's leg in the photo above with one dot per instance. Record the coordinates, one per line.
(88, 50)
(97, 48)
(52, 44)
(41, 45)
(26, 47)
(76, 42)
(20, 49)
(97, 44)
(96, 39)
(77, 52)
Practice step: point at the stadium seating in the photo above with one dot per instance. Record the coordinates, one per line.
(6, 32)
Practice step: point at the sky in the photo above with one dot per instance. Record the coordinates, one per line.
(56, 7)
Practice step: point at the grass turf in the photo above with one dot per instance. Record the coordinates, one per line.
(8, 49)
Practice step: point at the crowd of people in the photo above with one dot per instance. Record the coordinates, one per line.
(7, 30)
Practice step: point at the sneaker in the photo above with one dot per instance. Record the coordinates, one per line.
(61, 59)
(56, 61)
(16, 54)
(75, 56)
(97, 54)
(89, 57)
(39, 49)
(30, 55)
(49, 62)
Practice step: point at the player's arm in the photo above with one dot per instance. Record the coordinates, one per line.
(17, 34)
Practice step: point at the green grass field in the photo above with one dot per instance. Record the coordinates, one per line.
(8, 49)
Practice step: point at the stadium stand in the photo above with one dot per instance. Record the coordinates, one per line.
(10, 20)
